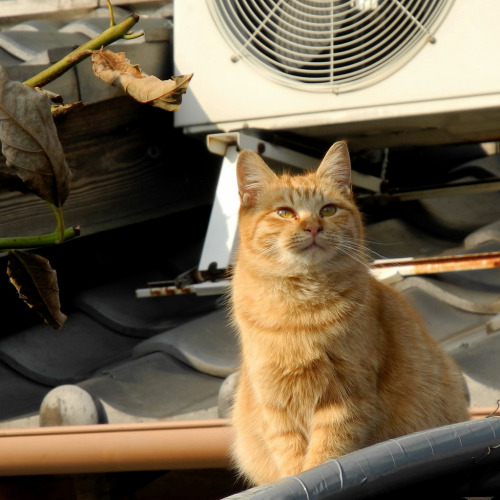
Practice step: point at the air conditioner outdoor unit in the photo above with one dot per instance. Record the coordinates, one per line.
(377, 72)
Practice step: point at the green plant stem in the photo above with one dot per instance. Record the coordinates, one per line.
(58, 214)
(111, 13)
(44, 240)
(108, 36)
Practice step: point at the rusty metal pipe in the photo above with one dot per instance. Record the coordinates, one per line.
(441, 264)
(115, 447)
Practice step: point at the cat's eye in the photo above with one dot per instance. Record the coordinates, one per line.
(286, 213)
(328, 211)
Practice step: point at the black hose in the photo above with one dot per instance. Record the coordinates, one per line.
(458, 460)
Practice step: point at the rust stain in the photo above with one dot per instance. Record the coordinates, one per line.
(168, 291)
(467, 262)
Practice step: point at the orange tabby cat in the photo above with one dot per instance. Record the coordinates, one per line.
(332, 359)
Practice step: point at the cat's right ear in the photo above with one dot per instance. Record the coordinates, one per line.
(253, 174)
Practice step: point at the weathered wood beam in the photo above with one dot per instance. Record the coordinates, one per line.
(129, 165)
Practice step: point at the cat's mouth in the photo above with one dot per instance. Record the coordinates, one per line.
(312, 244)
(307, 245)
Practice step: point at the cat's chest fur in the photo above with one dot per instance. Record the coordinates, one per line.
(298, 341)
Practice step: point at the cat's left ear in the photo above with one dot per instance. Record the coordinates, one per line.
(253, 174)
(336, 165)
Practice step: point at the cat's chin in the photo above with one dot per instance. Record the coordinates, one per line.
(312, 255)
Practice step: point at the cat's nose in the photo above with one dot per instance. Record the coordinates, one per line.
(313, 228)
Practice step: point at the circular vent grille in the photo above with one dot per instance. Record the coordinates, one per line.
(328, 45)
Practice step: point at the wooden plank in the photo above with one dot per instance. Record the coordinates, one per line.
(129, 165)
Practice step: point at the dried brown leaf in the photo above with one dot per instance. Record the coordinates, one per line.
(30, 142)
(59, 110)
(116, 69)
(36, 283)
(10, 181)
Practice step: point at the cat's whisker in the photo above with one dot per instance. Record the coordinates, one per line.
(349, 253)
(354, 250)
(372, 253)
(380, 243)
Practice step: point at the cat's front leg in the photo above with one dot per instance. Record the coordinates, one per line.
(286, 441)
(335, 431)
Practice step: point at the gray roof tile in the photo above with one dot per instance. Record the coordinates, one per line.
(207, 344)
(116, 306)
(478, 301)
(42, 25)
(7, 59)
(489, 233)
(90, 27)
(154, 386)
(471, 211)
(55, 357)
(478, 358)
(156, 29)
(25, 45)
(393, 238)
(19, 395)
(443, 320)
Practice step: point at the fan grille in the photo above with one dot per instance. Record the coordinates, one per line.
(328, 45)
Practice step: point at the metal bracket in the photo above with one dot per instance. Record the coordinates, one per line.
(218, 144)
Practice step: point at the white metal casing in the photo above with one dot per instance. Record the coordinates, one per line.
(448, 92)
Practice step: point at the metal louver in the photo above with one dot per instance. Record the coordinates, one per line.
(328, 45)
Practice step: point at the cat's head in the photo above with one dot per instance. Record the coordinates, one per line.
(307, 220)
